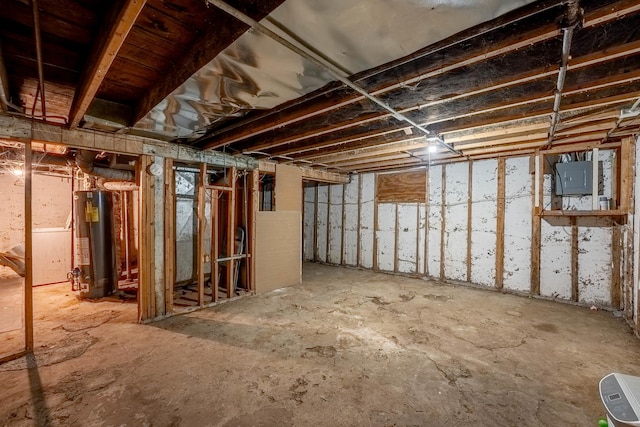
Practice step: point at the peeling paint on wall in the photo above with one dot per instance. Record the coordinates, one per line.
(483, 222)
(456, 197)
(517, 225)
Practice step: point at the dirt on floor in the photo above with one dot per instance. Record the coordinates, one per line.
(346, 348)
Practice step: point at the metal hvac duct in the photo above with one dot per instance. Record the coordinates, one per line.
(85, 162)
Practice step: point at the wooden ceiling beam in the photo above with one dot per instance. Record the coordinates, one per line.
(571, 137)
(369, 137)
(213, 40)
(4, 83)
(351, 163)
(325, 100)
(509, 110)
(413, 144)
(409, 162)
(601, 78)
(115, 29)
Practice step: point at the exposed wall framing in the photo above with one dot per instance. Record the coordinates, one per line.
(487, 213)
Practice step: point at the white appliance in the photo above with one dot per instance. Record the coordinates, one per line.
(620, 395)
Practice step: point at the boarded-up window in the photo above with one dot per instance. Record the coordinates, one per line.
(402, 187)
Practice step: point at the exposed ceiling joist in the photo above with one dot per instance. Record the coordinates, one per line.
(4, 84)
(330, 101)
(116, 27)
(213, 40)
(278, 118)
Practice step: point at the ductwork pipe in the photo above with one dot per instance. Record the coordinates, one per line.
(119, 185)
(85, 159)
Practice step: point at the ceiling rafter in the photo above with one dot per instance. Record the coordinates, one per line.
(116, 27)
(4, 83)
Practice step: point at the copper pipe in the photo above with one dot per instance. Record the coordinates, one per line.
(36, 30)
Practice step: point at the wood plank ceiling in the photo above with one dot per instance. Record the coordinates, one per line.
(487, 91)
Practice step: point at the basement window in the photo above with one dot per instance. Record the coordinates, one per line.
(267, 192)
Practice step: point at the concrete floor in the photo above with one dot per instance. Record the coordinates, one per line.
(11, 313)
(346, 348)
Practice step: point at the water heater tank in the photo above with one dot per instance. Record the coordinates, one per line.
(94, 243)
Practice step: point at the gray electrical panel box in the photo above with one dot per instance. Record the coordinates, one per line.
(574, 178)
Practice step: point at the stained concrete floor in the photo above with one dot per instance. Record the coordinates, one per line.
(346, 348)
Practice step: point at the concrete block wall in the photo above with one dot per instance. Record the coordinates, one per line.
(454, 236)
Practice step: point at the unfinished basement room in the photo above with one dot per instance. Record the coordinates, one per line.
(320, 213)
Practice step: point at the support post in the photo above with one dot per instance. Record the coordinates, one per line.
(231, 233)
(200, 250)
(575, 291)
(443, 222)
(469, 218)
(500, 224)
(169, 234)
(28, 250)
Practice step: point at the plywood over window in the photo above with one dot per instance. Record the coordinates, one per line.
(402, 187)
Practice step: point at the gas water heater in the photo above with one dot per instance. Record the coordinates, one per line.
(95, 272)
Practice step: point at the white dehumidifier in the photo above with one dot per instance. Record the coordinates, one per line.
(620, 395)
